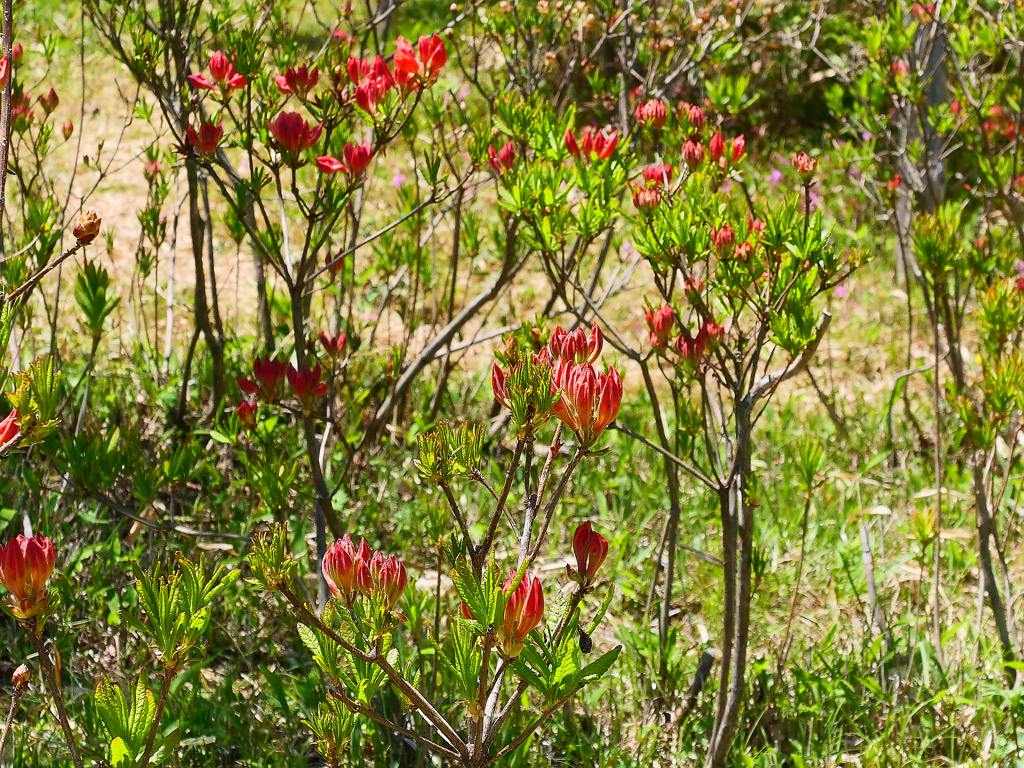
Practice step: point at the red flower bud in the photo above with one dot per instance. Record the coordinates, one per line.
(49, 101)
(25, 567)
(339, 567)
(591, 549)
(659, 175)
(358, 157)
(646, 199)
(695, 117)
(246, 412)
(388, 578)
(5, 72)
(690, 349)
(653, 114)
(298, 81)
(67, 129)
(208, 138)
(712, 333)
(590, 400)
(739, 145)
(501, 161)
(570, 143)
(723, 239)
(576, 347)
(87, 227)
(17, 52)
(499, 386)
(9, 428)
(433, 56)
(598, 143)
(693, 288)
(900, 69)
(693, 154)
(660, 323)
(717, 147)
(334, 262)
(805, 165)
(333, 345)
(524, 609)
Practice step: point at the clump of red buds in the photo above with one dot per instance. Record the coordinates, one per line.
(576, 346)
(723, 239)
(351, 573)
(373, 80)
(691, 349)
(503, 159)
(592, 143)
(25, 567)
(646, 199)
(693, 154)
(87, 228)
(724, 155)
(660, 323)
(591, 549)
(652, 114)
(246, 412)
(658, 175)
(306, 385)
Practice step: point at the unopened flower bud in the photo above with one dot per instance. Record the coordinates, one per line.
(653, 114)
(693, 154)
(723, 239)
(646, 199)
(67, 129)
(21, 677)
(87, 227)
(805, 165)
(695, 117)
(49, 101)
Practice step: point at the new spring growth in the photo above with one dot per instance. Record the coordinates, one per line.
(447, 452)
(591, 549)
(25, 567)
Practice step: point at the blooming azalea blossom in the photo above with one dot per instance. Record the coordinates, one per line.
(269, 375)
(660, 323)
(293, 135)
(590, 400)
(333, 345)
(207, 138)
(306, 385)
(298, 81)
(503, 159)
(524, 609)
(222, 77)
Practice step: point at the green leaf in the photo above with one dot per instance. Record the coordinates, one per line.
(597, 669)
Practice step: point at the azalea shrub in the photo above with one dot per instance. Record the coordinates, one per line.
(510, 383)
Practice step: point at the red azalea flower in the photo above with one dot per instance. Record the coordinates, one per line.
(269, 375)
(298, 81)
(9, 428)
(358, 157)
(293, 134)
(333, 345)
(524, 609)
(208, 137)
(503, 159)
(330, 165)
(660, 323)
(25, 567)
(306, 385)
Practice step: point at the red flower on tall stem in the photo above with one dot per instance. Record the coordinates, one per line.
(25, 567)
(524, 609)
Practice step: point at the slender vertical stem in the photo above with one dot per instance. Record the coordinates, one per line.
(5, 115)
(165, 689)
(58, 699)
(10, 721)
(937, 402)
